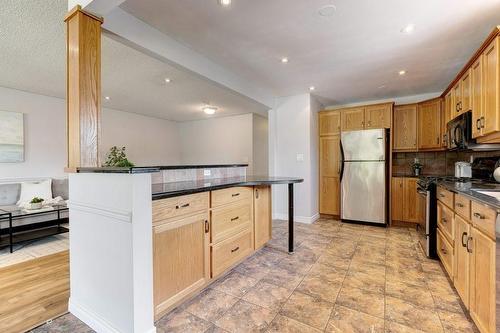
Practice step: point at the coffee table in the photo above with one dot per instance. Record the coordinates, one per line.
(31, 231)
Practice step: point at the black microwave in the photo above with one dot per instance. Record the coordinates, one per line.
(459, 132)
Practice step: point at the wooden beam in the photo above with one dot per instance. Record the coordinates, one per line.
(83, 88)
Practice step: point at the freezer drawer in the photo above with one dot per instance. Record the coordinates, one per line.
(363, 192)
(367, 145)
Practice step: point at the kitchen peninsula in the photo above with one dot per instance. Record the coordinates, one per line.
(144, 240)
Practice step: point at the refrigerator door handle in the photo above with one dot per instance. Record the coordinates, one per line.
(341, 161)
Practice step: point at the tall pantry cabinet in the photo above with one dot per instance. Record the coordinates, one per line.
(329, 165)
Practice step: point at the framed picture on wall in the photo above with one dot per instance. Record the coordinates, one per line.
(11, 137)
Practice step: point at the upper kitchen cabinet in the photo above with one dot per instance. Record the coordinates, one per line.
(491, 91)
(378, 116)
(405, 127)
(477, 96)
(353, 119)
(429, 124)
(329, 122)
(462, 94)
(448, 109)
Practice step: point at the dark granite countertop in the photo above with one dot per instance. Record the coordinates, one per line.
(167, 190)
(151, 169)
(469, 189)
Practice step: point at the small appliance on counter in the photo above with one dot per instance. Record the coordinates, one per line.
(463, 170)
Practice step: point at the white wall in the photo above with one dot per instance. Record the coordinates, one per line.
(293, 131)
(148, 140)
(217, 140)
(260, 145)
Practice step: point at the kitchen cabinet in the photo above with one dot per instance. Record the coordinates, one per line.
(262, 215)
(461, 258)
(181, 259)
(429, 124)
(329, 122)
(445, 252)
(378, 116)
(330, 175)
(466, 90)
(353, 119)
(405, 128)
(457, 97)
(477, 96)
(491, 90)
(482, 281)
(404, 199)
(448, 107)
(397, 197)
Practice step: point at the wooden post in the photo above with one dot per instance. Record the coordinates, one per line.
(83, 84)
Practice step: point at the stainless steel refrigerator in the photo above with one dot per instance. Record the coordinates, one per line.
(364, 176)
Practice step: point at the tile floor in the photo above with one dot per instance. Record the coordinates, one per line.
(342, 278)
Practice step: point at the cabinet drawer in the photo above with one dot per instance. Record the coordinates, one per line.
(164, 209)
(445, 252)
(230, 251)
(484, 218)
(230, 195)
(462, 206)
(445, 196)
(445, 221)
(230, 219)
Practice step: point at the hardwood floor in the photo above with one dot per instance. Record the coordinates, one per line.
(33, 292)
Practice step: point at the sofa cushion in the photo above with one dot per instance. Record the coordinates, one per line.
(60, 188)
(9, 194)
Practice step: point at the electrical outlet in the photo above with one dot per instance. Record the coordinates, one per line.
(207, 172)
(300, 157)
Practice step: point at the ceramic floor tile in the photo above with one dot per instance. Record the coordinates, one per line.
(365, 280)
(267, 295)
(246, 317)
(182, 322)
(309, 310)
(345, 320)
(235, 284)
(319, 287)
(334, 261)
(282, 324)
(392, 327)
(365, 301)
(283, 278)
(211, 304)
(252, 268)
(455, 322)
(64, 324)
(410, 315)
(419, 296)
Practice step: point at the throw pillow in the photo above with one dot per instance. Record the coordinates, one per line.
(29, 190)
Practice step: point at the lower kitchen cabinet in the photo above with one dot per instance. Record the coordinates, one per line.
(462, 261)
(404, 199)
(397, 197)
(181, 260)
(262, 215)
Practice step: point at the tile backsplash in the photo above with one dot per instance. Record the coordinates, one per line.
(180, 175)
(441, 163)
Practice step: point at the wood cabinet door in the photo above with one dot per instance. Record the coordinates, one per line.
(262, 215)
(491, 88)
(461, 268)
(329, 198)
(397, 197)
(466, 97)
(329, 122)
(477, 96)
(181, 262)
(410, 202)
(457, 98)
(378, 116)
(329, 152)
(447, 112)
(405, 127)
(482, 281)
(429, 124)
(353, 119)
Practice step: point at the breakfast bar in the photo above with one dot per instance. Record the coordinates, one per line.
(139, 229)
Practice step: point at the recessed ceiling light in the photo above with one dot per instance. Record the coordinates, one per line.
(107, 98)
(408, 29)
(167, 80)
(327, 10)
(224, 3)
(284, 60)
(382, 86)
(209, 109)
(402, 72)
(311, 88)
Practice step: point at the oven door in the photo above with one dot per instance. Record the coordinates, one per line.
(423, 220)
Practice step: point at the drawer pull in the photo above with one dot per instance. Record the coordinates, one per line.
(443, 250)
(182, 206)
(467, 245)
(207, 226)
(235, 218)
(442, 195)
(235, 249)
(479, 216)
(464, 243)
(235, 195)
(444, 220)
(459, 205)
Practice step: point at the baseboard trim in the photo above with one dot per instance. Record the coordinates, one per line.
(301, 219)
(95, 321)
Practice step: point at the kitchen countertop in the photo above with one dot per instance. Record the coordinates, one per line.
(167, 190)
(151, 169)
(465, 189)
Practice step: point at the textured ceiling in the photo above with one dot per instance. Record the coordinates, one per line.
(32, 58)
(351, 56)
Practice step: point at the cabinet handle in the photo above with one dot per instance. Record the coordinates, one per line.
(445, 138)
(235, 249)
(437, 140)
(460, 103)
(182, 206)
(464, 243)
(479, 216)
(443, 250)
(456, 108)
(235, 195)
(478, 124)
(441, 195)
(235, 218)
(459, 204)
(482, 122)
(443, 220)
(467, 245)
(207, 226)
(256, 193)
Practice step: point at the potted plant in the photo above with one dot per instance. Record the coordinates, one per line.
(36, 203)
(117, 157)
(416, 167)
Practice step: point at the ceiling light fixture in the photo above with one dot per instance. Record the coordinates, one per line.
(167, 80)
(408, 29)
(382, 86)
(402, 72)
(209, 109)
(327, 10)
(284, 60)
(224, 3)
(107, 98)
(311, 88)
